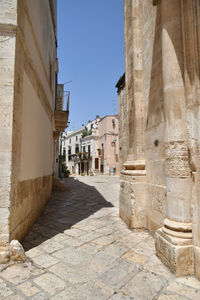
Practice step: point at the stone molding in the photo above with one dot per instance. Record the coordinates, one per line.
(133, 179)
(36, 44)
(134, 168)
(134, 172)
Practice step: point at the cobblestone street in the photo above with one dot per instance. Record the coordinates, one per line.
(80, 249)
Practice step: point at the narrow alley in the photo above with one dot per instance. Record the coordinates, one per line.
(79, 248)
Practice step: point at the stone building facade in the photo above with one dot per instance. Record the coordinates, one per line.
(108, 149)
(28, 63)
(161, 174)
(71, 147)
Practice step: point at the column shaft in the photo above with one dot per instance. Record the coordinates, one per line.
(173, 241)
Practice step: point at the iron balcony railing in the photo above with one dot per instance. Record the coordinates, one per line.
(62, 99)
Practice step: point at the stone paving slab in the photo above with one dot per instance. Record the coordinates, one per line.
(79, 248)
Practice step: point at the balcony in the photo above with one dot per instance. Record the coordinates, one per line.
(85, 156)
(61, 113)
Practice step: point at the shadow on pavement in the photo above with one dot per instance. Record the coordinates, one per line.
(64, 210)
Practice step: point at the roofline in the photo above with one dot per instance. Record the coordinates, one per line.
(75, 132)
(121, 83)
(116, 116)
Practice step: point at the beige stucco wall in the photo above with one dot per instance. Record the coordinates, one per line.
(40, 34)
(27, 93)
(37, 141)
(34, 124)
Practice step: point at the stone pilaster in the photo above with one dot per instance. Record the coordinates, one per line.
(174, 239)
(133, 194)
(133, 175)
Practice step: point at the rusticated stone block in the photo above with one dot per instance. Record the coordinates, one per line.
(180, 259)
(176, 159)
(16, 251)
(32, 195)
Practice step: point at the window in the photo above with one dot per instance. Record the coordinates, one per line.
(69, 153)
(113, 123)
(76, 138)
(96, 163)
(64, 153)
(102, 150)
(70, 140)
(77, 148)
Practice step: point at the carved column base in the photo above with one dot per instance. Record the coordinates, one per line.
(133, 194)
(13, 251)
(174, 247)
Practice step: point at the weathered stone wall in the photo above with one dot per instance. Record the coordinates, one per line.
(33, 145)
(27, 91)
(162, 41)
(31, 198)
(133, 178)
(191, 28)
(8, 21)
(122, 122)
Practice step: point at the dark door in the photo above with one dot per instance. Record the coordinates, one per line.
(96, 163)
(82, 167)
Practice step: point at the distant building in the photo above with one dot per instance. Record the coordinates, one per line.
(93, 149)
(89, 146)
(108, 149)
(71, 149)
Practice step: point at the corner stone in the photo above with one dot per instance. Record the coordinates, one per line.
(16, 251)
(4, 255)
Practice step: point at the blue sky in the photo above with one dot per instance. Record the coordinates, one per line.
(91, 54)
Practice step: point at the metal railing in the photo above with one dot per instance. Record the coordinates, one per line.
(62, 99)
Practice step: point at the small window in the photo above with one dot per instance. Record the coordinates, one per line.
(64, 153)
(70, 140)
(77, 148)
(76, 138)
(113, 123)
